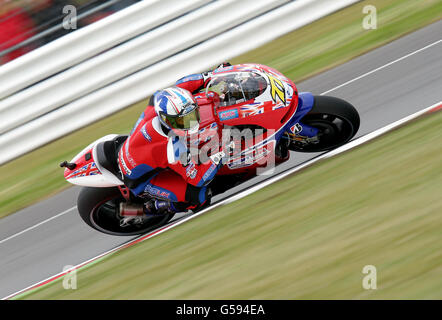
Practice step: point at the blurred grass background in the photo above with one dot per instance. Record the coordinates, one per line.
(307, 236)
(300, 54)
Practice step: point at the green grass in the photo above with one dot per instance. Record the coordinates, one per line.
(299, 54)
(307, 236)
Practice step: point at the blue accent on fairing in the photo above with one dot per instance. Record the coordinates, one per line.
(306, 101)
(208, 175)
(202, 195)
(307, 131)
(192, 77)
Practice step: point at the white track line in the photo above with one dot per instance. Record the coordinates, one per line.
(242, 194)
(350, 145)
(382, 67)
(335, 88)
(38, 224)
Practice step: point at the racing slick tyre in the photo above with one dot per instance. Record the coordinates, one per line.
(99, 208)
(337, 121)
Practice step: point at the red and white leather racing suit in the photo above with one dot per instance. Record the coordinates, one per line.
(149, 159)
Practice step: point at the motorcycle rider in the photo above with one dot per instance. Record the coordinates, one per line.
(150, 160)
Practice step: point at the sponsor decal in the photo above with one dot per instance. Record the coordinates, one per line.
(145, 134)
(191, 171)
(228, 114)
(123, 165)
(153, 191)
(87, 170)
(277, 89)
(188, 109)
(128, 155)
(253, 156)
(296, 128)
(209, 172)
(252, 109)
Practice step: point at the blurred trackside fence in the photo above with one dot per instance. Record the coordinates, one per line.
(120, 60)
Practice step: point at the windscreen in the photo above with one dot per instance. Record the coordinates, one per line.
(235, 88)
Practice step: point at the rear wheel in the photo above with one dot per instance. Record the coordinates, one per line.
(337, 121)
(99, 208)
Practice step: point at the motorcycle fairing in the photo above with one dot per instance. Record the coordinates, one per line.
(268, 109)
(88, 171)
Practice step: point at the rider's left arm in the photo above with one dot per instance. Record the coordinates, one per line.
(195, 82)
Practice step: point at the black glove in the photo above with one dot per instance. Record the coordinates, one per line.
(223, 65)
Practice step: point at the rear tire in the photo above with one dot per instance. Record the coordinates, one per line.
(337, 121)
(98, 207)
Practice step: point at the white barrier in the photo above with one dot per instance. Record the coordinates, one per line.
(88, 41)
(87, 108)
(134, 55)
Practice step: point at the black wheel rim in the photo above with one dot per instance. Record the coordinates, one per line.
(334, 131)
(104, 217)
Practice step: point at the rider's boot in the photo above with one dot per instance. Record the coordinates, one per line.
(155, 207)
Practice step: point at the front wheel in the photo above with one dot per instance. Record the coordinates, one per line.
(337, 122)
(99, 208)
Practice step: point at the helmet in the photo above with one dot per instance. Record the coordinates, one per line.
(177, 109)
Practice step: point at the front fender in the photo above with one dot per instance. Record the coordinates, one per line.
(306, 101)
(305, 104)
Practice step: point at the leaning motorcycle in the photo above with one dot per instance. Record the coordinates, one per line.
(256, 101)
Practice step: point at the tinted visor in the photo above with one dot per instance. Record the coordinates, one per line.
(182, 122)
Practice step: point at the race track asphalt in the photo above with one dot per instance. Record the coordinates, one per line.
(33, 248)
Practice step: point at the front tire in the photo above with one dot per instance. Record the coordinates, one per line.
(98, 207)
(337, 121)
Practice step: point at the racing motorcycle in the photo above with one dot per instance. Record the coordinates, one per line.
(257, 101)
